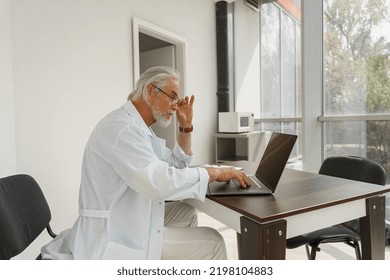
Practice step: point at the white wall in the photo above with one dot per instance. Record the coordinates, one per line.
(7, 106)
(247, 59)
(72, 64)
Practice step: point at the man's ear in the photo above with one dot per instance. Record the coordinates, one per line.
(150, 89)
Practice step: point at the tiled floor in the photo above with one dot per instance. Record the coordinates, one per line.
(328, 251)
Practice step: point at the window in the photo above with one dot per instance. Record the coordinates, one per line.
(280, 55)
(356, 96)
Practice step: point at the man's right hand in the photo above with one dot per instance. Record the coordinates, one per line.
(227, 173)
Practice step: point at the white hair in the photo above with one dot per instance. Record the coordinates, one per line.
(158, 76)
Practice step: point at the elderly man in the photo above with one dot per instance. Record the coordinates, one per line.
(127, 175)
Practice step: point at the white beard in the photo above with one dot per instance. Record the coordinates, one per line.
(161, 119)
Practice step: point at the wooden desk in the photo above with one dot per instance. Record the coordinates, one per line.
(303, 202)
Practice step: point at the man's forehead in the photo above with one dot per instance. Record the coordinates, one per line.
(173, 87)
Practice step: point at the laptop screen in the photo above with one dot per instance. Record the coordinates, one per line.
(275, 158)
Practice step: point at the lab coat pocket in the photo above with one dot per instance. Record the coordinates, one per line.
(116, 251)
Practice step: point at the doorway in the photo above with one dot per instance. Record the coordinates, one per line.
(155, 46)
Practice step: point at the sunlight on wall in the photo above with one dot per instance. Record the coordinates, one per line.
(246, 100)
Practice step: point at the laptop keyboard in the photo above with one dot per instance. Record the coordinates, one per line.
(253, 185)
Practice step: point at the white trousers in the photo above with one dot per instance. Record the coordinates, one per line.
(183, 240)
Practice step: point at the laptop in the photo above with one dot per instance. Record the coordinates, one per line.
(268, 173)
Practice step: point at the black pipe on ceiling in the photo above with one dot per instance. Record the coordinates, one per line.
(222, 56)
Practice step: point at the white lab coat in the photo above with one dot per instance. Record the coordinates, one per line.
(127, 174)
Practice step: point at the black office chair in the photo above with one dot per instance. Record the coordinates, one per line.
(24, 214)
(348, 167)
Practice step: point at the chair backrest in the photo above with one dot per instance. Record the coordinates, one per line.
(24, 214)
(354, 168)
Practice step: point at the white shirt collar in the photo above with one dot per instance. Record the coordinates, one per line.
(133, 112)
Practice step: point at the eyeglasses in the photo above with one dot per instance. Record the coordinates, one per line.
(173, 100)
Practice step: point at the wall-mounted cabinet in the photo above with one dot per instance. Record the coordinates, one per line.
(241, 146)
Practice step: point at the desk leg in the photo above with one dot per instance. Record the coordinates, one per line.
(262, 241)
(372, 229)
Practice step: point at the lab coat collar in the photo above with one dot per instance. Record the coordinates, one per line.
(133, 112)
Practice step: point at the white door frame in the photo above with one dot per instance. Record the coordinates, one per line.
(141, 26)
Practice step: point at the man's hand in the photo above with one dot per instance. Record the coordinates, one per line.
(184, 111)
(226, 174)
(184, 117)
